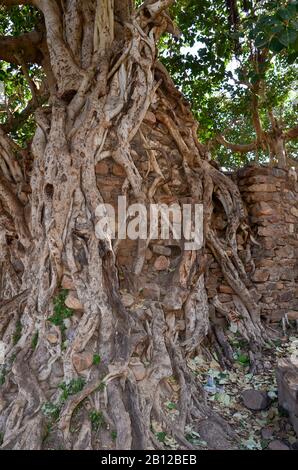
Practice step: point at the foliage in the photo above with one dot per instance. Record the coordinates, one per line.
(161, 436)
(3, 372)
(17, 90)
(243, 359)
(277, 29)
(97, 420)
(34, 340)
(232, 383)
(18, 333)
(51, 410)
(71, 388)
(171, 406)
(61, 312)
(96, 359)
(194, 438)
(20, 20)
(6, 368)
(216, 66)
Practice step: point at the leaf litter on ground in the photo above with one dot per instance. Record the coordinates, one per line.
(224, 388)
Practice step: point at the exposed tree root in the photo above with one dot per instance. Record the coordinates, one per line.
(100, 112)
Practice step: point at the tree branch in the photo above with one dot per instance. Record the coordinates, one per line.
(14, 207)
(8, 151)
(291, 133)
(25, 45)
(11, 125)
(255, 113)
(28, 78)
(242, 148)
(64, 66)
(156, 7)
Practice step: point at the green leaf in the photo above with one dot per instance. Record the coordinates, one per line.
(161, 436)
(284, 38)
(286, 13)
(261, 40)
(96, 359)
(171, 406)
(97, 419)
(288, 36)
(292, 57)
(293, 34)
(275, 46)
(277, 28)
(243, 359)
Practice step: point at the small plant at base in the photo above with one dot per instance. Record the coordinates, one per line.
(18, 333)
(61, 312)
(3, 372)
(243, 359)
(161, 436)
(71, 388)
(96, 359)
(171, 406)
(51, 410)
(97, 419)
(34, 340)
(114, 435)
(194, 438)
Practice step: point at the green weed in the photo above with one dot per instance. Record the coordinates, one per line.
(18, 333)
(61, 311)
(96, 359)
(97, 419)
(34, 340)
(71, 388)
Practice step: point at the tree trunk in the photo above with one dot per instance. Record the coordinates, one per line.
(276, 141)
(114, 351)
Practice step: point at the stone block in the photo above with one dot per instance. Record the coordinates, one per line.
(261, 275)
(287, 383)
(161, 250)
(262, 188)
(162, 263)
(102, 168)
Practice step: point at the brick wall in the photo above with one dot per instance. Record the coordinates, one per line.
(271, 198)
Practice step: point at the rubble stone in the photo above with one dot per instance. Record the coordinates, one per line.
(82, 361)
(127, 300)
(255, 399)
(151, 291)
(161, 263)
(287, 384)
(277, 445)
(161, 250)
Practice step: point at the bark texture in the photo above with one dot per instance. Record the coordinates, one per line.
(109, 99)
